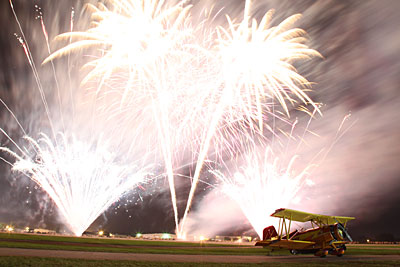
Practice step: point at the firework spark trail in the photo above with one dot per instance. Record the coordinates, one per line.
(245, 66)
(260, 186)
(82, 179)
(46, 36)
(28, 54)
(69, 64)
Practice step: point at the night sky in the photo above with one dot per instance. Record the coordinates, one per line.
(359, 74)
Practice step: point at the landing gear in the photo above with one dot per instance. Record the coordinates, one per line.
(294, 252)
(321, 253)
(338, 251)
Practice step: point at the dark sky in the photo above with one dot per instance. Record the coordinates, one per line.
(359, 40)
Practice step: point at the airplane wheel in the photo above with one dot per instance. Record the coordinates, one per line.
(294, 252)
(340, 252)
(321, 253)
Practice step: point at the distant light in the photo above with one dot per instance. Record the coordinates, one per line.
(27, 229)
(111, 234)
(138, 235)
(101, 233)
(201, 238)
(166, 236)
(367, 240)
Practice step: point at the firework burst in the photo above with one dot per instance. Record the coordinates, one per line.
(131, 37)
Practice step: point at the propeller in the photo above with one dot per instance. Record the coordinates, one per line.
(343, 229)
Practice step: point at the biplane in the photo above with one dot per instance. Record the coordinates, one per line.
(327, 234)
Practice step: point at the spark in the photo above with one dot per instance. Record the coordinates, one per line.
(83, 179)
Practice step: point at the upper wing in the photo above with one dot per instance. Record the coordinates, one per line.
(301, 216)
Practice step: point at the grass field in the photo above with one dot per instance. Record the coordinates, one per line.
(110, 241)
(47, 242)
(174, 250)
(32, 241)
(355, 249)
(125, 246)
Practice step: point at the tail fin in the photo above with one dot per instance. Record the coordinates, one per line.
(269, 232)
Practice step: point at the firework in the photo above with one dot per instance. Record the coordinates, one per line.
(262, 185)
(193, 92)
(132, 36)
(147, 60)
(83, 179)
(256, 67)
(139, 40)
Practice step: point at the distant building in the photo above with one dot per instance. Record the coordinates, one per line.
(233, 238)
(159, 236)
(43, 231)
